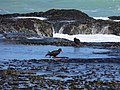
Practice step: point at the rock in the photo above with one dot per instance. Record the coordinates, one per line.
(115, 28)
(66, 21)
(88, 27)
(54, 14)
(33, 27)
(114, 17)
(65, 14)
(42, 41)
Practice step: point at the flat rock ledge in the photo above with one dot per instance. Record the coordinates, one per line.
(41, 41)
(60, 42)
(76, 60)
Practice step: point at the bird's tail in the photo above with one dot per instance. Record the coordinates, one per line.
(47, 53)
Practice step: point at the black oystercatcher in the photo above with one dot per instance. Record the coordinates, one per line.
(54, 53)
(77, 42)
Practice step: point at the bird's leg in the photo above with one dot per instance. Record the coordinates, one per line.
(56, 58)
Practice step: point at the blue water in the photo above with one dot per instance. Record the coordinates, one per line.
(21, 52)
(95, 8)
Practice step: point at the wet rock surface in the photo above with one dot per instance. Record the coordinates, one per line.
(64, 21)
(64, 14)
(34, 27)
(41, 41)
(88, 27)
(54, 74)
(114, 17)
(60, 42)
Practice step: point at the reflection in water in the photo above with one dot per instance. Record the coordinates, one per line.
(76, 50)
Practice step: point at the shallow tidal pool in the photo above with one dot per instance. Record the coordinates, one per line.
(21, 52)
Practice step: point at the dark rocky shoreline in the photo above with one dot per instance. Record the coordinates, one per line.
(47, 74)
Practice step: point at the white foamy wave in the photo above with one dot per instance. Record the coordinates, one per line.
(40, 18)
(33, 38)
(116, 20)
(103, 18)
(4, 11)
(90, 37)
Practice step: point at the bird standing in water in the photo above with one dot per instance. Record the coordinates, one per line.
(54, 53)
(77, 42)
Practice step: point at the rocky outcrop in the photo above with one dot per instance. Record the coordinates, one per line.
(64, 21)
(35, 27)
(64, 14)
(88, 27)
(42, 41)
(114, 17)
(115, 28)
(54, 14)
(30, 27)
(76, 22)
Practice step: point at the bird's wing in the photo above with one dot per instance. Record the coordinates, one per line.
(54, 52)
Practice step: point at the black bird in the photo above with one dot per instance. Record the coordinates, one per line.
(54, 53)
(77, 42)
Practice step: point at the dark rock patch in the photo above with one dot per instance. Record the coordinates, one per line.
(64, 14)
(49, 74)
(41, 41)
(78, 60)
(114, 17)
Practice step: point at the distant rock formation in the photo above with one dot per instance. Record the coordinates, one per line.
(64, 21)
(114, 17)
(66, 14)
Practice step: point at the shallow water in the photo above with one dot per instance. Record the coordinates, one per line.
(21, 52)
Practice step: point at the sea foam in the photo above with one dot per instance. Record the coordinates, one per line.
(103, 18)
(40, 18)
(90, 37)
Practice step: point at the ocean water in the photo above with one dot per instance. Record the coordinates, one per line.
(94, 8)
